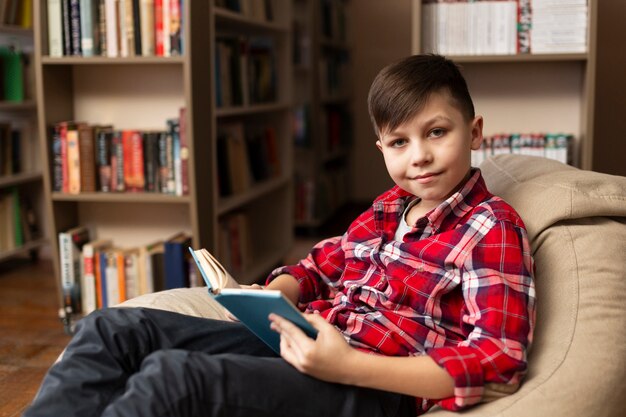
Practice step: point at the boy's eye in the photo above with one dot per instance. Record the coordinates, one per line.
(398, 143)
(437, 133)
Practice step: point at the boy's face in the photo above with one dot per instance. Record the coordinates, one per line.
(429, 156)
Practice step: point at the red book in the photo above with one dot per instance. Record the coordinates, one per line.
(158, 28)
(134, 178)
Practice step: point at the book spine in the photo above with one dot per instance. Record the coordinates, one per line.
(184, 152)
(67, 269)
(117, 162)
(167, 51)
(67, 32)
(137, 23)
(55, 28)
(169, 155)
(112, 282)
(75, 27)
(102, 28)
(175, 28)
(151, 162)
(103, 288)
(88, 291)
(73, 162)
(158, 28)
(147, 27)
(112, 49)
(163, 166)
(103, 159)
(86, 158)
(174, 128)
(87, 13)
(121, 276)
(57, 184)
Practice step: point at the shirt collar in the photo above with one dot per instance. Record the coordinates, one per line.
(447, 214)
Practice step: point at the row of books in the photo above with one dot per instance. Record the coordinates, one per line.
(96, 273)
(16, 13)
(14, 68)
(115, 28)
(465, 27)
(256, 9)
(246, 155)
(334, 73)
(18, 221)
(335, 127)
(10, 150)
(234, 248)
(316, 198)
(555, 146)
(89, 158)
(333, 19)
(245, 71)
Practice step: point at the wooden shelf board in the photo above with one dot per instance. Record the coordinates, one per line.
(230, 203)
(252, 109)
(15, 179)
(18, 106)
(518, 58)
(28, 246)
(226, 16)
(102, 60)
(15, 30)
(121, 198)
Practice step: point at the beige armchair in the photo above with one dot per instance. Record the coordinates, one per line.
(576, 221)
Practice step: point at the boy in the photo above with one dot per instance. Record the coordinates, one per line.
(433, 283)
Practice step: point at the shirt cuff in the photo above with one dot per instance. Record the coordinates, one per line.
(465, 368)
(307, 287)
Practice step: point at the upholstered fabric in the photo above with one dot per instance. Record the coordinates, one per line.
(576, 221)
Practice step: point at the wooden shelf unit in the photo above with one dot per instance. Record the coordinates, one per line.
(562, 92)
(23, 115)
(322, 167)
(141, 93)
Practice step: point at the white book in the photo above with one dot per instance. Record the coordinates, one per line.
(111, 28)
(55, 29)
(122, 33)
(147, 27)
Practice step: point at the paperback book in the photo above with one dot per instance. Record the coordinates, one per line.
(251, 307)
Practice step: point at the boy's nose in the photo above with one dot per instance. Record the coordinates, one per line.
(420, 154)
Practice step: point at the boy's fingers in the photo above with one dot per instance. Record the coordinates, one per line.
(291, 331)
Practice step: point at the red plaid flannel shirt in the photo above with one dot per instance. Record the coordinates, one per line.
(459, 287)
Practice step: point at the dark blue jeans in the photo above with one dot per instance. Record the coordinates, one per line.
(144, 362)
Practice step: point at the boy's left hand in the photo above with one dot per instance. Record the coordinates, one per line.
(324, 358)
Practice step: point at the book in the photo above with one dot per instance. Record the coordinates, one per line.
(251, 307)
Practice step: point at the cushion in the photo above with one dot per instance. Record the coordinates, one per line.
(576, 221)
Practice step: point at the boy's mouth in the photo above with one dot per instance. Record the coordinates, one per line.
(425, 178)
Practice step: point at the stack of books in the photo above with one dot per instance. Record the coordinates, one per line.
(559, 26)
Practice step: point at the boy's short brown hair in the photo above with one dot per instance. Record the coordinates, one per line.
(401, 89)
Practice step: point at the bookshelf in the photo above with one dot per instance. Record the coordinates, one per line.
(322, 103)
(142, 92)
(552, 92)
(21, 192)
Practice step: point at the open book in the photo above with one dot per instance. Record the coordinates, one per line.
(251, 307)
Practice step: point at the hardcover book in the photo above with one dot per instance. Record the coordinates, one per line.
(251, 307)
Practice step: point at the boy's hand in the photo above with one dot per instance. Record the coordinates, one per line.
(324, 358)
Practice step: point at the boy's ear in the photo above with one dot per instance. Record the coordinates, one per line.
(477, 132)
(379, 145)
